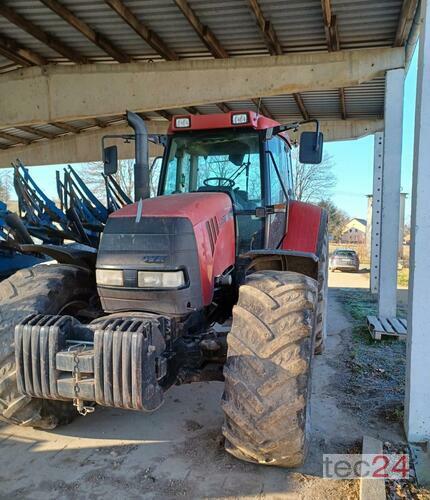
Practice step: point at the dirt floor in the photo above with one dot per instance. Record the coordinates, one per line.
(178, 452)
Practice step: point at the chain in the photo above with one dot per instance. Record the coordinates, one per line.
(77, 401)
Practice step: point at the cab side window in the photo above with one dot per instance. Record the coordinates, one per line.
(279, 155)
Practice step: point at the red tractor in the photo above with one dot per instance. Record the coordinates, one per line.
(222, 276)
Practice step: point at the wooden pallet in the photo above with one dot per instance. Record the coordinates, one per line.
(393, 327)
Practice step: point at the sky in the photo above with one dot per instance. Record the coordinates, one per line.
(353, 161)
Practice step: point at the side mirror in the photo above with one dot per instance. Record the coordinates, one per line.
(311, 147)
(110, 160)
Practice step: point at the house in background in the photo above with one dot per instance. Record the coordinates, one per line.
(354, 231)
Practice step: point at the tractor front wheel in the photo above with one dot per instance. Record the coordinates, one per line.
(268, 369)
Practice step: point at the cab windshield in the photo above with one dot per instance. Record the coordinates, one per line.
(225, 161)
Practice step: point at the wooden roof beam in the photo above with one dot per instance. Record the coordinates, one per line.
(192, 110)
(165, 114)
(37, 132)
(330, 26)
(333, 45)
(222, 106)
(21, 55)
(204, 32)
(81, 26)
(258, 103)
(66, 127)
(342, 103)
(266, 29)
(301, 105)
(151, 38)
(14, 139)
(406, 19)
(40, 35)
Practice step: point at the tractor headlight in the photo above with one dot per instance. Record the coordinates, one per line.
(160, 279)
(109, 277)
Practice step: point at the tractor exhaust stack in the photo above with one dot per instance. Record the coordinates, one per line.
(141, 166)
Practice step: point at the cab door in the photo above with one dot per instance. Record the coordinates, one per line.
(278, 158)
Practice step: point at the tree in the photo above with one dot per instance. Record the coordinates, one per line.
(337, 219)
(313, 183)
(92, 175)
(5, 186)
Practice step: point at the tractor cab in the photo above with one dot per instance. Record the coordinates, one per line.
(230, 153)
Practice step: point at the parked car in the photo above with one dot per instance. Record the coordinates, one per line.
(344, 260)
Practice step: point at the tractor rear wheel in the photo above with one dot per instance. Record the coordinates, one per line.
(268, 369)
(43, 289)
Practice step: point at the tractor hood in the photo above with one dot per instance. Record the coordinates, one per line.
(196, 207)
(189, 237)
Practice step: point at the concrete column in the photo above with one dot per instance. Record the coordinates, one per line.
(402, 222)
(390, 209)
(376, 202)
(417, 406)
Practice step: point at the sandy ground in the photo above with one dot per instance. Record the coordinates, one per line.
(177, 451)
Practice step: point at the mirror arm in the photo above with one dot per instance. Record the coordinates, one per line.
(294, 126)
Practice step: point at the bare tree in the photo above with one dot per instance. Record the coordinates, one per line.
(92, 175)
(313, 182)
(6, 186)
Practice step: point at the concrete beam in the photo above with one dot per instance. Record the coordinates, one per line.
(78, 148)
(65, 93)
(344, 130)
(86, 146)
(417, 408)
(390, 201)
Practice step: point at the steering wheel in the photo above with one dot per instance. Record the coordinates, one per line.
(227, 182)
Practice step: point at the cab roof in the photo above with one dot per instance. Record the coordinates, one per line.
(254, 120)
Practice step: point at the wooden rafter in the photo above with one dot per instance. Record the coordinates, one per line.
(301, 105)
(222, 106)
(330, 26)
(92, 35)
(165, 114)
(37, 132)
(65, 127)
(142, 30)
(258, 103)
(204, 32)
(406, 19)
(99, 123)
(14, 139)
(192, 110)
(266, 28)
(21, 55)
(333, 45)
(342, 103)
(41, 35)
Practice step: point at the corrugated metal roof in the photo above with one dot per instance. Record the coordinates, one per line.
(298, 25)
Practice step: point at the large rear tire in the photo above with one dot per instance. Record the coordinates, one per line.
(43, 289)
(268, 369)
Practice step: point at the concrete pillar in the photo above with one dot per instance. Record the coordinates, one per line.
(417, 406)
(402, 222)
(392, 156)
(375, 202)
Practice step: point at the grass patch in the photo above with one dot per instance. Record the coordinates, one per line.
(376, 367)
